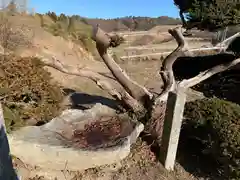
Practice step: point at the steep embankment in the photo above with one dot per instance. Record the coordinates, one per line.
(68, 52)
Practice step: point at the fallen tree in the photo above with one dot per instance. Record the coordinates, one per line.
(136, 98)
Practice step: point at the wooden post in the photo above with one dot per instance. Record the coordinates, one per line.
(172, 125)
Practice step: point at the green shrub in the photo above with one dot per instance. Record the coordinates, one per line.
(27, 91)
(217, 123)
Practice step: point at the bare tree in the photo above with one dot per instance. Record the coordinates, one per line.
(135, 97)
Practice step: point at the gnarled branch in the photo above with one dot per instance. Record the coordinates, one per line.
(207, 74)
(103, 42)
(166, 71)
(94, 76)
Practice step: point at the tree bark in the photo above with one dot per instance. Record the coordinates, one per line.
(227, 41)
(166, 71)
(137, 91)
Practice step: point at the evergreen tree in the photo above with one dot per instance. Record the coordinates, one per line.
(209, 14)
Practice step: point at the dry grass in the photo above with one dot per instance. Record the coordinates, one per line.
(13, 37)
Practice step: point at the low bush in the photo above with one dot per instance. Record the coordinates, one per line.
(224, 85)
(216, 124)
(27, 91)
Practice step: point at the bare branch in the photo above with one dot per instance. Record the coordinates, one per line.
(79, 71)
(207, 74)
(94, 76)
(166, 69)
(104, 41)
(224, 44)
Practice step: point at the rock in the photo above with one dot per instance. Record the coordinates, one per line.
(41, 146)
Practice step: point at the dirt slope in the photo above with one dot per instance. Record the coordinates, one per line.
(68, 52)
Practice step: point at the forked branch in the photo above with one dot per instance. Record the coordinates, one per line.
(166, 71)
(94, 76)
(105, 41)
(135, 96)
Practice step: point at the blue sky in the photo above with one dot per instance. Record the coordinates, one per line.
(107, 8)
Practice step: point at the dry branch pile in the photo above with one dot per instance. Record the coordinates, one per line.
(98, 133)
(103, 132)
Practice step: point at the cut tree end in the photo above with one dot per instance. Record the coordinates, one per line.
(105, 40)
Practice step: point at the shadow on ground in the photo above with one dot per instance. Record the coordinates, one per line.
(85, 101)
(190, 157)
(224, 85)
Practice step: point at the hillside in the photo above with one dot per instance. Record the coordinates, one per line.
(67, 40)
(118, 24)
(133, 23)
(78, 28)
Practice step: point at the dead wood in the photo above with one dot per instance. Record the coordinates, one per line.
(102, 82)
(207, 74)
(166, 71)
(80, 71)
(103, 42)
(134, 96)
(155, 123)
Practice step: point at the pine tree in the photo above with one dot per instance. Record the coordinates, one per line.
(209, 14)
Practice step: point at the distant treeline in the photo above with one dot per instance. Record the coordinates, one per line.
(133, 23)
